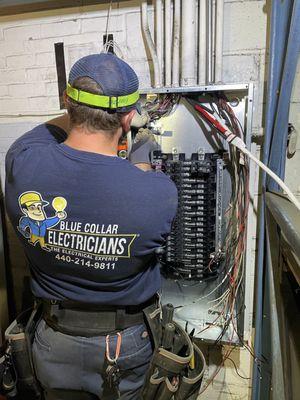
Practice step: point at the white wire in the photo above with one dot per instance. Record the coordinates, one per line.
(180, 308)
(289, 193)
(221, 298)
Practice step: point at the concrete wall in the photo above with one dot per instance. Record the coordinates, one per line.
(28, 90)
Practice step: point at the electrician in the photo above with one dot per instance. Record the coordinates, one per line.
(92, 341)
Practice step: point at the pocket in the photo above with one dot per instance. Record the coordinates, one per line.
(136, 348)
(40, 336)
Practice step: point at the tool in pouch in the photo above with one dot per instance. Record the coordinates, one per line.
(177, 365)
(112, 370)
(8, 375)
(19, 365)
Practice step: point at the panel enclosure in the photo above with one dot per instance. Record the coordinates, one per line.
(184, 135)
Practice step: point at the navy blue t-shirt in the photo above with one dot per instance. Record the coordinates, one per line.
(89, 223)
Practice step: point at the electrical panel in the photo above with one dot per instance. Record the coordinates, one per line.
(206, 262)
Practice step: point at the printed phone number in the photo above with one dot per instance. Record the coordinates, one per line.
(86, 263)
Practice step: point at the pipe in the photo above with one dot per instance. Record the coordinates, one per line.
(168, 42)
(149, 41)
(188, 56)
(202, 42)
(176, 43)
(159, 35)
(210, 77)
(278, 32)
(219, 40)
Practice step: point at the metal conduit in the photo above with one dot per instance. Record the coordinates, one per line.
(210, 67)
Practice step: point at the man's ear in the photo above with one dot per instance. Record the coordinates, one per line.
(126, 120)
(25, 211)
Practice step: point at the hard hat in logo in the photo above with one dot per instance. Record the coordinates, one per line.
(29, 198)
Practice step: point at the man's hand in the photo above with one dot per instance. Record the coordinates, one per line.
(143, 145)
(61, 214)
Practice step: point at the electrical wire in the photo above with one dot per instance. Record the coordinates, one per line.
(162, 106)
(112, 43)
(107, 21)
(236, 369)
(276, 178)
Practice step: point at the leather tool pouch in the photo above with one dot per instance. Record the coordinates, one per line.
(176, 372)
(19, 336)
(190, 383)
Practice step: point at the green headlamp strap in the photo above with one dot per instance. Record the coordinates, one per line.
(102, 101)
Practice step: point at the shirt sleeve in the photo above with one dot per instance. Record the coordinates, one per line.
(40, 136)
(49, 222)
(23, 224)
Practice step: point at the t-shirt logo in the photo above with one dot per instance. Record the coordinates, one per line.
(33, 225)
(71, 241)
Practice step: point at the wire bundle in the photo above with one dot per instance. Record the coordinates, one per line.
(162, 105)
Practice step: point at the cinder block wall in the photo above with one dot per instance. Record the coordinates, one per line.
(28, 86)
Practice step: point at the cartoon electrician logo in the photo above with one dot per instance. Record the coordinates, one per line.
(34, 224)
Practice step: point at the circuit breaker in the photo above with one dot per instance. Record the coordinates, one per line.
(196, 235)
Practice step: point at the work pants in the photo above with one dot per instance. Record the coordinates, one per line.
(77, 364)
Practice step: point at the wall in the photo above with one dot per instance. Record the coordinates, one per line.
(28, 86)
(293, 163)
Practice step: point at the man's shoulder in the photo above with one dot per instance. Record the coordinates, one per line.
(39, 135)
(157, 184)
(152, 178)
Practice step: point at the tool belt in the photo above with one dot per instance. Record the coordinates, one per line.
(17, 377)
(82, 319)
(177, 365)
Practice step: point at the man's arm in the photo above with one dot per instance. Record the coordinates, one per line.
(144, 144)
(23, 224)
(42, 135)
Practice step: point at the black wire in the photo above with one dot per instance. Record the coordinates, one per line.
(236, 370)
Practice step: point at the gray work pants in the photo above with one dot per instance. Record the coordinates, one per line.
(73, 367)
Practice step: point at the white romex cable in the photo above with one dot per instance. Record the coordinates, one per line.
(237, 142)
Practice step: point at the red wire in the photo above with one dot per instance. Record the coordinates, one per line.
(211, 119)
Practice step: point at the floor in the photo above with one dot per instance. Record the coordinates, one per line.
(227, 385)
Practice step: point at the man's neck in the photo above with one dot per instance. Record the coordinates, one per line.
(95, 142)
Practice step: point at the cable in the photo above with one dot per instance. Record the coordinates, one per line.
(107, 22)
(236, 369)
(276, 178)
(236, 141)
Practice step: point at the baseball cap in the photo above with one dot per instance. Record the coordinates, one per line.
(117, 80)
